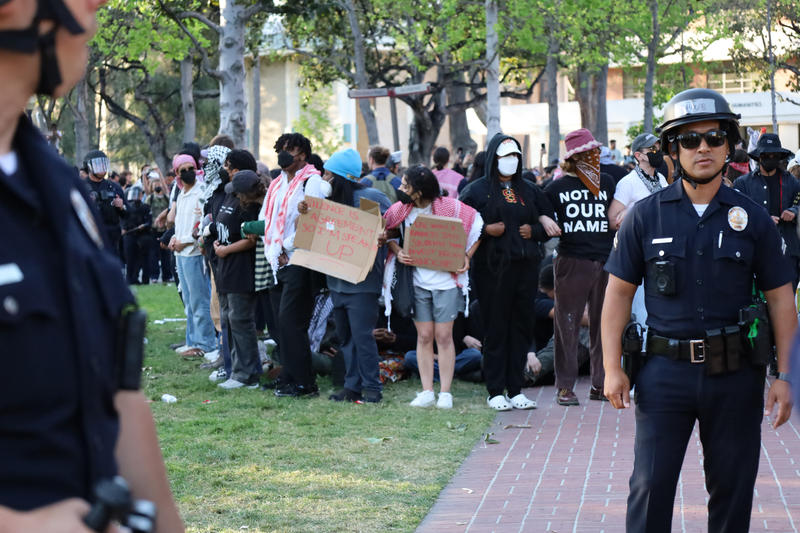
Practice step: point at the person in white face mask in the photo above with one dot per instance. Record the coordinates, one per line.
(518, 219)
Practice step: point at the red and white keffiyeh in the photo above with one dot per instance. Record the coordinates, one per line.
(275, 226)
(445, 207)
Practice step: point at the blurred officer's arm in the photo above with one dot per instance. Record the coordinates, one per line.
(783, 315)
(140, 461)
(616, 314)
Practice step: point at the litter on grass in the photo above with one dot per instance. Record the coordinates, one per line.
(165, 320)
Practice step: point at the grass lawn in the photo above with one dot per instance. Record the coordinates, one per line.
(245, 460)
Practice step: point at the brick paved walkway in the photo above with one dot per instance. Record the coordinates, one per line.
(568, 472)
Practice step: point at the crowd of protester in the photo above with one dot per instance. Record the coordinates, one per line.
(524, 308)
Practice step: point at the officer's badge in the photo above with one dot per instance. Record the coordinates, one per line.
(737, 218)
(85, 216)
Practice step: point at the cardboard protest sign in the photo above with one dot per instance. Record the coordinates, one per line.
(436, 242)
(337, 239)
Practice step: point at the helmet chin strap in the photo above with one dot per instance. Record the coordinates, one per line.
(28, 41)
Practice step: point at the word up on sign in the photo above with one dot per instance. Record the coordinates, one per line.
(338, 240)
(436, 242)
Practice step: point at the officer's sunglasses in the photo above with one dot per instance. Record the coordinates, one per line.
(692, 140)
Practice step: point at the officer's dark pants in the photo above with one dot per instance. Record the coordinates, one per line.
(236, 311)
(670, 396)
(293, 305)
(355, 316)
(136, 257)
(115, 239)
(577, 282)
(505, 303)
(160, 257)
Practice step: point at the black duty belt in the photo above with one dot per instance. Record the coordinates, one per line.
(694, 350)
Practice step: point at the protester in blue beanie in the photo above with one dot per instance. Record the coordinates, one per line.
(355, 306)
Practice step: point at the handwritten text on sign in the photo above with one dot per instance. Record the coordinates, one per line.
(337, 239)
(437, 243)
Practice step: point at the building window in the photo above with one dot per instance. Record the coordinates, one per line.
(725, 79)
(633, 83)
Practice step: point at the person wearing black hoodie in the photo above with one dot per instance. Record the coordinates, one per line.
(518, 218)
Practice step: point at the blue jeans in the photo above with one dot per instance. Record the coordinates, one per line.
(196, 288)
(355, 316)
(469, 360)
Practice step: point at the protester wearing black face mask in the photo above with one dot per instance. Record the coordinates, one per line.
(776, 190)
(642, 181)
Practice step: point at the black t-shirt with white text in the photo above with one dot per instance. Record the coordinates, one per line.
(585, 231)
(235, 272)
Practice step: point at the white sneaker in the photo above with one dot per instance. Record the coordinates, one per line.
(445, 401)
(425, 398)
(218, 375)
(184, 348)
(211, 356)
(234, 384)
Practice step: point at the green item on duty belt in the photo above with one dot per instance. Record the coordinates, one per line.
(254, 227)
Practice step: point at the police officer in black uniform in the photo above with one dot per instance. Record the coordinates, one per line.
(72, 414)
(699, 246)
(136, 237)
(775, 190)
(107, 196)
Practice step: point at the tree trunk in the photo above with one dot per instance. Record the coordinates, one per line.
(459, 130)
(255, 133)
(551, 95)
(651, 68)
(81, 121)
(492, 71)
(425, 127)
(187, 100)
(583, 93)
(232, 101)
(361, 73)
(600, 130)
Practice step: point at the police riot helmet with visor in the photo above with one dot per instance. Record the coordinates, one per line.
(96, 162)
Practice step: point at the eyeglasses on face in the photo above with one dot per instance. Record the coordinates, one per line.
(692, 139)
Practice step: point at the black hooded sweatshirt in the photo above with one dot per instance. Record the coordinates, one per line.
(516, 206)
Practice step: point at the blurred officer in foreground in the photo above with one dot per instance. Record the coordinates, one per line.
(698, 246)
(72, 414)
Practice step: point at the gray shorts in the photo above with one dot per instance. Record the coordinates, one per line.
(437, 306)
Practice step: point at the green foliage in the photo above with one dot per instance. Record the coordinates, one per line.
(316, 124)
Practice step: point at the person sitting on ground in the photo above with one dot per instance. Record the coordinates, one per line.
(401, 338)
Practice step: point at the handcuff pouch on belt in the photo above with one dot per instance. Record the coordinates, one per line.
(632, 358)
(130, 347)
